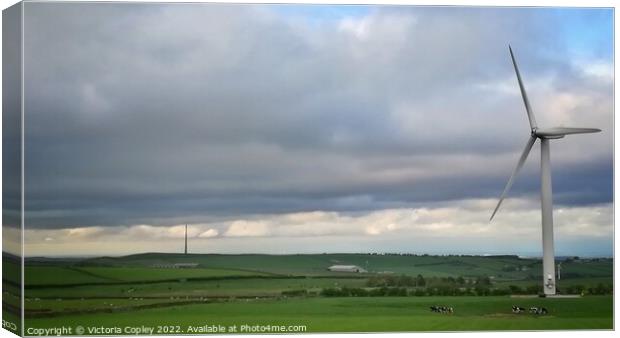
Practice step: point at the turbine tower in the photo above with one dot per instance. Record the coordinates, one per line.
(546, 197)
(186, 239)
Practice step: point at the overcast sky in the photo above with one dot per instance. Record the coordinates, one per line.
(281, 129)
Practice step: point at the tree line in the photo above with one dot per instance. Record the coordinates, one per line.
(402, 285)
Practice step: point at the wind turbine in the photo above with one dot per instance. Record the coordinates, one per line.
(546, 198)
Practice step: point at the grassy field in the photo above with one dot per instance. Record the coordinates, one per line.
(367, 314)
(317, 264)
(502, 267)
(55, 275)
(449, 265)
(289, 290)
(210, 288)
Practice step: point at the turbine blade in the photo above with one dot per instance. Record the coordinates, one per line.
(526, 151)
(528, 109)
(561, 131)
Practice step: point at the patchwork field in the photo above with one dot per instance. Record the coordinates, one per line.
(55, 275)
(298, 293)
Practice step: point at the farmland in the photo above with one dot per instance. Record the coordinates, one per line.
(395, 295)
(367, 314)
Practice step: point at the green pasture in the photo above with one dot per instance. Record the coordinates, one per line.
(54, 275)
(153, 274)
(208, 288)
(256, 289)
(59, 275)
(366, 314)
(563, 283)
(317, 264)
(45, 305)
(501, 267)
(11, 269)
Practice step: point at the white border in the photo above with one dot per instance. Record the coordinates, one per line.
(506, 3)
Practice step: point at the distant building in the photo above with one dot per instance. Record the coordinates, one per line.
(177, 266)
(346, 268)
(185, 265)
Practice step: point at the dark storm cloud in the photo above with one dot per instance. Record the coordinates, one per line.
(146, 113)
(11, 119)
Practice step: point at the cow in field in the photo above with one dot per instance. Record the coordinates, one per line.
(538, 310)
(442, 309)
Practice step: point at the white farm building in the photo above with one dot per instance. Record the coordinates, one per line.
(176, 266)
(346, 268)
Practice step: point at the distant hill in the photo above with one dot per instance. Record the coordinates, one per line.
(503, 267)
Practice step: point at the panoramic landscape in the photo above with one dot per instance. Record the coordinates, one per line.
(238, 168)
(178, 293)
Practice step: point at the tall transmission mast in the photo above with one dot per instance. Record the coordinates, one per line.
(186, 239)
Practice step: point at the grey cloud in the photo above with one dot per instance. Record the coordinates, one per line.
(152, 113)
(458, 227)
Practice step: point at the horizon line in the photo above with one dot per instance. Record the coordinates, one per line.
(524, 256)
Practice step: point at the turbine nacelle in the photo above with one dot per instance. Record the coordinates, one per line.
(559, 132)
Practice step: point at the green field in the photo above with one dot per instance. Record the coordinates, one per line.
(368, 314)
(246, 287)
(54, 275)
(288, 290)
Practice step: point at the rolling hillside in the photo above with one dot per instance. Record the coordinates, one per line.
(210, 265)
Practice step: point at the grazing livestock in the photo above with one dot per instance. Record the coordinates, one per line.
(538, 310)
(533, 310)
(442, 309)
